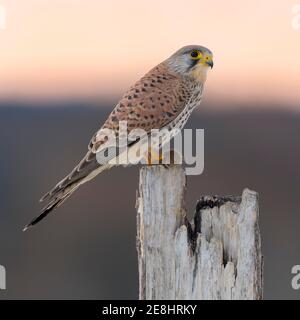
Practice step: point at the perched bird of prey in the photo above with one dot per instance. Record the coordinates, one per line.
(164, 98)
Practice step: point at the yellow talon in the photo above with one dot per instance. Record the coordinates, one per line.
(153, 157)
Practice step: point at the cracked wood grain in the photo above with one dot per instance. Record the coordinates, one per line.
(217, 255)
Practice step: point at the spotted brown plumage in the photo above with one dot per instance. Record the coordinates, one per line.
(162, 99)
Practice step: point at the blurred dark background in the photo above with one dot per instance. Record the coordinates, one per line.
(86, 250)
(63, 66)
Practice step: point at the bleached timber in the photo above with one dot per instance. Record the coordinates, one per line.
(215, 256)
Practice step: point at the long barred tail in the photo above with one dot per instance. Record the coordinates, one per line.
(59, 199)
(86, 170)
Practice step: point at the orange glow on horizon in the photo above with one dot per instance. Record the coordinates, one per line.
(58, 48)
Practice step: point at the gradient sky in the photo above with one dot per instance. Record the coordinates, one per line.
(96, 48)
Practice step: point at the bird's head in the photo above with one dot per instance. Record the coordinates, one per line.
(191, 61)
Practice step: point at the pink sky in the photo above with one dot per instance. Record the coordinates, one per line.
(96, 48)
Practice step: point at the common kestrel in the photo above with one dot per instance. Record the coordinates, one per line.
(164, 98)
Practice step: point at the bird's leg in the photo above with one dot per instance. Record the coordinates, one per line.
(154, 157)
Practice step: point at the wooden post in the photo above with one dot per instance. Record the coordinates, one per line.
(215, 256)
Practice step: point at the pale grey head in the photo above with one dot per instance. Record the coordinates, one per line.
(191, 61)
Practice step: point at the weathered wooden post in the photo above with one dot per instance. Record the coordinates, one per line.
(215, 256)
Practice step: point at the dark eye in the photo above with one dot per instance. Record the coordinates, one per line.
(195, 54)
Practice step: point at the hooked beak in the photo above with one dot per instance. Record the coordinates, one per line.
(210, 64)
(208, 60)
